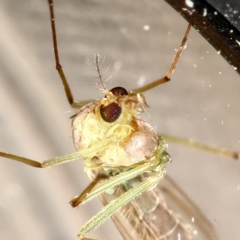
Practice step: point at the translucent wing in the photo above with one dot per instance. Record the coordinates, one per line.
(164, 212)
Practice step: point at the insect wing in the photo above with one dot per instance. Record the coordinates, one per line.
(163, 212)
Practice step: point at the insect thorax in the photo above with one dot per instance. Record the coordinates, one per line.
(124, 142)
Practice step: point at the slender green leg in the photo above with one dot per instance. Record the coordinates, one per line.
(94, 190)
(190, 143)
(62, 159)
(45, 164)
(116, 204)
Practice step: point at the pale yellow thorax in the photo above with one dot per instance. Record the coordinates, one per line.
(124, 142)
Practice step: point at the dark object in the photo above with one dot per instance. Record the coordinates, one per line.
(119, 91)
(111, 112)
(218, 23)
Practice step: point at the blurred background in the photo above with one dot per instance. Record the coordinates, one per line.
(139, 41)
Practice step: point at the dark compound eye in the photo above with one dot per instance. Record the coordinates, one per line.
(119, 91)
(111, 112)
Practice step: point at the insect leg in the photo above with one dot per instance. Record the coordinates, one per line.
(27, 161)
(59, 68)
(96, 188)
(216, 150)
(171, 69)
(116, 204)
(45, 164)
(62, 159)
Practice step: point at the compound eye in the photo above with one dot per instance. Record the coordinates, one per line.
(111, 112)
(119, 91)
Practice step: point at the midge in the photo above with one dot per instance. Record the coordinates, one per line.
(125, 158)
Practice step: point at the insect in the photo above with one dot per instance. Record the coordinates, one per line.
(151, 105)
